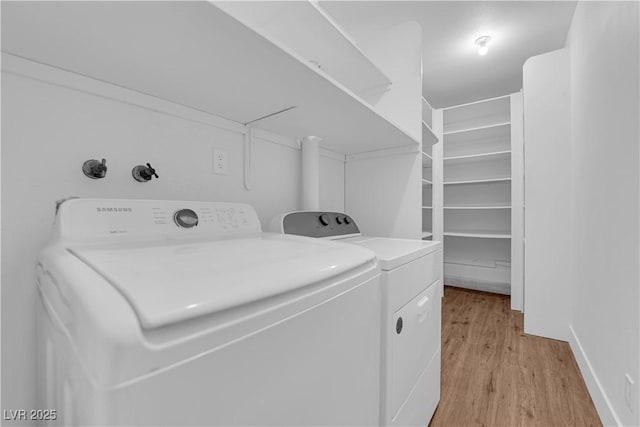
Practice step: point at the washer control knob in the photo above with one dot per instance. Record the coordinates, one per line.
(185, 218)
(346, 220)
(339, 220)
(324, 219)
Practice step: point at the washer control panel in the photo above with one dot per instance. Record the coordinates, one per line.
(84, 219)
(319, 224)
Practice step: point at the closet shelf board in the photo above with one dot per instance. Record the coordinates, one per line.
(503, 153)
(479, 235)
(477, 207)
(472, 129)
(428, 137)
(478, 181)
(241, 81)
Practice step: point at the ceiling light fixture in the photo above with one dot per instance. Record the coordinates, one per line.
(482, 43)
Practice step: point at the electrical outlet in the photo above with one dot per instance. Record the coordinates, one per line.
(629, 392)
(220, 160)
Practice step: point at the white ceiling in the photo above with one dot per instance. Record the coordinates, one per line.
(453, 72)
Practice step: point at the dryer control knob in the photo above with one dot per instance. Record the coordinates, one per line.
(346, 220)
(185, 218)
(399, 325)
(324, 219)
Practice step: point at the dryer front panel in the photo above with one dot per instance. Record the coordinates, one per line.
(415, 338)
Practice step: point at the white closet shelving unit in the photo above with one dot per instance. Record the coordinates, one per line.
(482, 155)
(237, 60)
(429, 158)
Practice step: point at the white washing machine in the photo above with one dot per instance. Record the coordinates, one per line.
(185, 313)
(411, 312)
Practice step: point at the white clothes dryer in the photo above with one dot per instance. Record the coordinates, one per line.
(411, 312)
(185, 313)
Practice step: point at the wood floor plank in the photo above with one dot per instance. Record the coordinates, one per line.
(493, 374)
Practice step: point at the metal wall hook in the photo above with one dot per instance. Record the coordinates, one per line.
(248, 140)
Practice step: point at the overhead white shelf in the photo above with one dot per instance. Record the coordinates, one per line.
(427, 234)
(481, 235)
(427, 113)
(478, 128)
(183, 54)
(309, 31)
(428, 137)
(491, 194)
(426, 182)
(484, 168)
(486, 139)
(490, 253)
(427, 207)
(427, 160)
(480, 261)
(496, 154)
(477, 115)
(478, 181)
(477, 207)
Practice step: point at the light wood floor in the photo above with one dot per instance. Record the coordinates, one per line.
(493, 374)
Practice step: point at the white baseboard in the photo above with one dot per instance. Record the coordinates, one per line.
(607, 414)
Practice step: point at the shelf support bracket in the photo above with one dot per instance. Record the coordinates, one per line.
(248, 142)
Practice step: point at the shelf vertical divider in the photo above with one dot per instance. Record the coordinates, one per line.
(437, 178)
(517, 202)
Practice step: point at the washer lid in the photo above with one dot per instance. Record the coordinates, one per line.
(167, 282)
(392, 253)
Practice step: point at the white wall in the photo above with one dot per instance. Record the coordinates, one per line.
(53, 121)
(384, 195)
(331, 181)
(603, 47)
(547, 189)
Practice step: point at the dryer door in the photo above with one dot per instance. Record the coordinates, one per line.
(415, 341)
